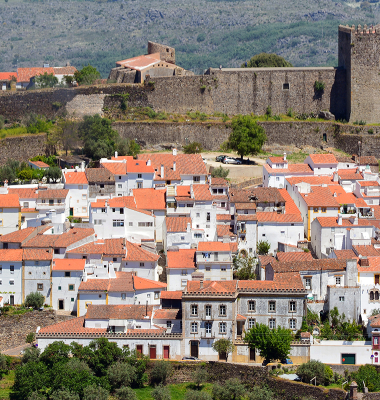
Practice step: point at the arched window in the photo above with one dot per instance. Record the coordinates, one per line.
(371, 295)
(376, 295)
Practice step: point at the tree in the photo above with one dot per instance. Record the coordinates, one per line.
(220, 172)
(30, 338)
(37, 396)
(160, 372)
(94, 392)
(53, 174)
(232, 389)
(375, 311)
(195, 395)
(263, 60)
(336, 327)
(68, 131)
(56, 352)
(273, 344)
(125, 393)
(263, 247)
(314, 368)
(121, 374)
(193, 148)
(247, 137)
(369, 375)
(46, 80)
(4, 365)
(25, 174)
(161, 393)
(87, 75)
(64, 394)
(35, 300)
(199, 376)
(31, 354)
(244, 267)
(139, 362)
(223, 347)
(261, 393)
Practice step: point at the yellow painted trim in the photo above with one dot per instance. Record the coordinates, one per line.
(308, 224)
(51, 283)
(107, 298)
(19, 220)
(23, 282)
(78, 314)
(358, 277)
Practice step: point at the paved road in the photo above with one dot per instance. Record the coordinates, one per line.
(16, 350)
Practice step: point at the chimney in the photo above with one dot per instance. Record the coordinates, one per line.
(339, 219)
(284, 156)
(162, 171)
(174, 166)
(188, 227)
(148, 163)
(201, 284)
(174, 151)
(364, 262)
(116, 154)
(335, 177)
(82, 166)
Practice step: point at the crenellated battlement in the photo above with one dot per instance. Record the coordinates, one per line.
(359, 30)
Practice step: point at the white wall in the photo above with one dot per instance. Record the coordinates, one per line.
(11, 282)
(37, 272)
(9, 220)
(277, 232)
(60, 289)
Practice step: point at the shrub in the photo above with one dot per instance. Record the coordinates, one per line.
(369, 375)
(220, 172)
(37, 396)
(195, 395)
(232, 389)
(125, 393)
(201, 37)
(30, 337)
(31, 354)
(35, 300)
(261, 393)
(314, 368)
(160, 372)
(161, 393)
(370, 131)
(319, 86)
(94, 392)
(121, 374)
(193, 148)
(64, 394)
(199, 376)
(290, 113)
(263, 247)
(268, 111)
(203, 87)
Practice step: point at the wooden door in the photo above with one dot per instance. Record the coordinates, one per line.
(252, 354)
(139, 348)
(166, 351)
(152, 352)
(348, 358)
(377, 279)
(60, 305)
(194, 349)
(12, 300)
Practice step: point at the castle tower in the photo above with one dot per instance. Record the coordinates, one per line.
(359, 55)
(166, 53)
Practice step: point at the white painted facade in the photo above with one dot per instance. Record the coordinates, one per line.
(65, 289)
(11, 282)
(142, 269)
(10, 220)
(37, 275)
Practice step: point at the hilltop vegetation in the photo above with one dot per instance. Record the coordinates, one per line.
(204, 32)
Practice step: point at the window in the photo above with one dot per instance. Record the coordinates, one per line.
(341, 298)
(11, 282)
(156, 295)
(148, 295)
(1, 269)
(184, 272)
(71, 288)
(222, 310)
(139, 176)
(84, 196)
(26, 204)
(123, 296)
(208, 268)
(223, 204)
(12, 269)
(285, 86)
(194, 309)
(272, 323)
(104, 210)
(142, 264)
(118, 222)
(43, 202)
(72, 299)
(208, 217)
(182, 237)
(119, 185)
(292, 323)
(59, 287)
(222, 327)
(251, 306)
(323, 209)
(145, 224)
(114, 259)
(183, 282)
(208, 326)
(131, 224)
(67, 274)
(196, 178)
(190, 205)
(208, 311)
(198, 215)
(56, 251)
(251, 323)
(139, 185)
(308, 283)
(197, 236)
(292, 306)
(169, 324)
(51, 202)
(316, 209)
(101, 186)
(272, 306)
(337, 280)
(40, 286)
(223, 269)
(194, 327)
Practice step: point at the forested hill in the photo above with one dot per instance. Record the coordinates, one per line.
(204, 32)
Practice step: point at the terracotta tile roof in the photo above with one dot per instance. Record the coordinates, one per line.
(167, 313)
(374, 265)
(68, 264)
(7, 76)
(143, 283)
(171, 295)
(94, 285)
(186, 164)
(122, 283)
(246, 217)
(290, 205)
(367, 160)
(327, 222)
(240, 317)
(368, 183)
(219, 182)
(128, 311)
(350, 174)
(73, 326)
(320, 197)
(107, 247)
(183, 191)
(53, 193)
(11, 254)
(136, 166)
(41, 241)
(116, 168)
(286, 281)
(257, 195)
(227, 217)
(314, 265)
(202, 193)
(24, 193)
(99, 175)
(294, 256)
(67, 70)
(213, 246)
(224, 230)
(158, 330)
(17, 236)
(76, 178)
(245, 206)
(39, 164)
(278, 160)
(37, 254)
(278, 218)
(150, 199)
(24, 74)
(360, 203)
(177, 224)
(183, 258)
(136, 253)
(233, 247)
(25, 210)
(140, 62)
(291, 169)
(323, 158)
(312, 180)
(227, 287)
(345, 254)
(265, 260)
(375, 321)
(9, 201)
(366, 251)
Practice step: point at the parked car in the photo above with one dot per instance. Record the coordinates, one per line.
(230, 160)
(220, 158)
(190, 358)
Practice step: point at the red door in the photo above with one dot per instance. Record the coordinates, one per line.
(152, 352)
(139, 348)
(166, 351)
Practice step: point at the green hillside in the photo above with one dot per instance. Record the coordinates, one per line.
(204, 32)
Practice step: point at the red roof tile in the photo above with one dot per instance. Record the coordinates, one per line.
(278, 218)
(37, 254)
(291, 169)
(68, 264)
(177, 224)
(122, 283)
(226, 217)
(136, 166)
(366, 251)
(285, 281)
(99, 175)
(17, 236)
(150, 199)
(140, 62)
(345, 254)
(128, 311)
(7, 76)
(183, 258)
(320, 197)
(39, 164)
(278, 160)
(24, 74)
(116, 168)
(53, 194)
(76, 178)
(265, 260)
(294, 256)
(219, 181)
(213, 246)
(227, 287)
(202, 193)
(375, 321)
(9, 201)
(167, 313)
(94, 285)
(257, 195)
(350, 174)
(11, 254)
(312, 180)
(24, 193)
(73, 326)
(224, 230)
(314, 265)
(374, 265)
(142, 284)
(67, 70)
(136, 253)
(368, 183)
(171, 295)
(323, 158)
(246, 217)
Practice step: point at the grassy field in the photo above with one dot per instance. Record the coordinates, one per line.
(177, 391)
(5, 385)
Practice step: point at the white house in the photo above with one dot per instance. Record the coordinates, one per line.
(322, 164)
(78, 198)
(369, 191)
(180, 267)
(177, 232)
(10, 213)
(11, 276)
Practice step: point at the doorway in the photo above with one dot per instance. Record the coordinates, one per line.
(166, 352)
(348, 358)
(223, 356)
(239, 330)
(12, 300)
(194, 348)
(71, 212)
(152, 352)
(139, 348)
(61, 305)
(252, 355)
